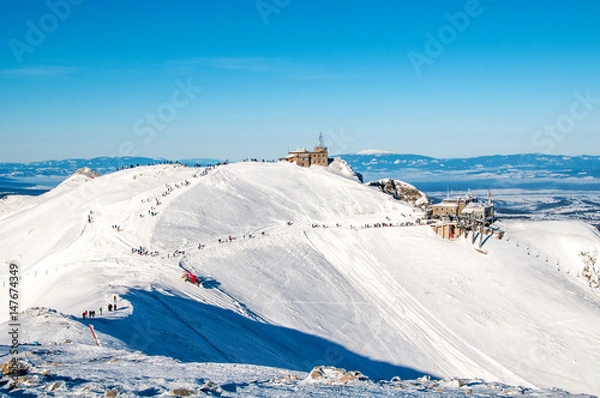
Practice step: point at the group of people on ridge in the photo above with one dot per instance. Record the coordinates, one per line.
(92, 313)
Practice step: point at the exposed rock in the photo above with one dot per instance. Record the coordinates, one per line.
(30, 380)
(86, 171)
(402, 191)
(591, 272)
(332, 375)
(182, 392)
(115, 392)
(21, 368)
(55, 386)
(210, 387)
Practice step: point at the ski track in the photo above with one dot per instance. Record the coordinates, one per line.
(410, 317)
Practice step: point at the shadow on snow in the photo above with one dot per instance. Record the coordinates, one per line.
(191, 331)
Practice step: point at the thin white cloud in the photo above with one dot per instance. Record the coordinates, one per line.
(38, 71)
(250, 64)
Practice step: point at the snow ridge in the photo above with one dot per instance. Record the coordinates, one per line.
(301, 267)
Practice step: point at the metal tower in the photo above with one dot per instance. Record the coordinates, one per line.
(321, 143)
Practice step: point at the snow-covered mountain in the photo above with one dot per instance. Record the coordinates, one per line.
(35, 178)
(523, 171)
(102, 165)
(298, 271)
(427, 173)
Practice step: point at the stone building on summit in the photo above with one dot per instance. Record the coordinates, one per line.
(302, 157)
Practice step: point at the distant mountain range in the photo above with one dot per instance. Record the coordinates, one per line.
(38, 177)
(526, 171)
(101, 165)
(484, 172)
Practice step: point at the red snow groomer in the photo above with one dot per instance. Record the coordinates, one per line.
(189, 277)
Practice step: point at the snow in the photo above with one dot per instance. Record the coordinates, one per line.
(301, 283)
(76, 367)
(341, 167)
(373, 152)
(12, 203)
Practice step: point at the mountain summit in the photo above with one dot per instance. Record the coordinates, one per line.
(299, 267)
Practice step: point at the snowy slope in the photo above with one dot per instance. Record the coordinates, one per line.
(76, 367)
(317, 288)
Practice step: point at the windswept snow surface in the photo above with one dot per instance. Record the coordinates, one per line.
(77, 368)
(299, 280)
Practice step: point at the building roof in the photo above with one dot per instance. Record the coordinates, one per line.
(446, 204)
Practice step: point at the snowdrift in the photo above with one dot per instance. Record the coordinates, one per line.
(304, 267)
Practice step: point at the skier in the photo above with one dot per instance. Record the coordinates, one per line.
(85, 314)
(110, 307)
(100, 309)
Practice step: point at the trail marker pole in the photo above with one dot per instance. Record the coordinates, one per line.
(94, 334)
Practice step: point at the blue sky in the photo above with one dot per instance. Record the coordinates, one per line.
(235, 79)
